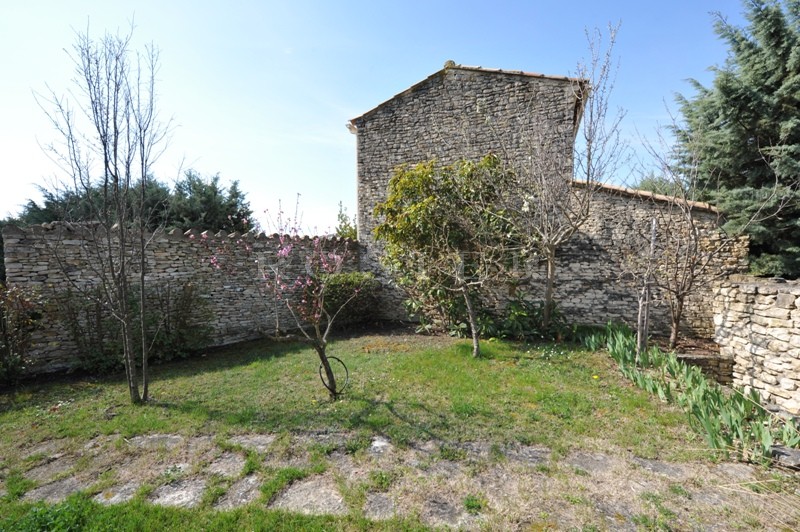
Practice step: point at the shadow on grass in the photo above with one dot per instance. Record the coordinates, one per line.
(83, 385)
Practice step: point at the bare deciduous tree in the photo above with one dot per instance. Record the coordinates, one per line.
(688, 247)
(110, 136)
(564, 168)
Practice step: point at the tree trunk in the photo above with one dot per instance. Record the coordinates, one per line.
(130, 362)
(473, 323)
(323, 358)
(143, 305)
(549, 290)
(643, 319)
(677, 312)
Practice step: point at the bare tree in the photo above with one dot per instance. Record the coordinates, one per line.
(110, 136)
(689, 246)
(563, 168)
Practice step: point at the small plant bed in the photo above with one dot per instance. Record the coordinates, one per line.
(541, 436)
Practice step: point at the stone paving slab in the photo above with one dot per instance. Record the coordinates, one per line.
(55, 491)
(242, 492)
(605, 489)
(117, 494)
(379, 506)
(49, 470)
(314, 496)
(256, 442)
(227, 465)
(183, 493)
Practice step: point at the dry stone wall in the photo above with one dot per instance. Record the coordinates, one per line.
(58, 257)
(758, 328)
(594, 285)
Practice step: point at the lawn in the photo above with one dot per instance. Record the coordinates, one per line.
(404, 387)
(409, 390)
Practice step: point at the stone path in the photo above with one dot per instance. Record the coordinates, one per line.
(469, 486)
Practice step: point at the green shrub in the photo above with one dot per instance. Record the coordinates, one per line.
(20, 312)
(179, 320)
(362, 287)
(176, 320)
(69, 515)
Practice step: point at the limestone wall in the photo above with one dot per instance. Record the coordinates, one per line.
(593, 285)
(458, 112)
(758, 328)
(240, 304)
(464, 112)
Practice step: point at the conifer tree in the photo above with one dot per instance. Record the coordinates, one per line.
(745, 132)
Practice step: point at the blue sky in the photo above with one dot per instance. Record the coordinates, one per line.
(261, 91)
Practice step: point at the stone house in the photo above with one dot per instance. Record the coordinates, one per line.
(465, 112)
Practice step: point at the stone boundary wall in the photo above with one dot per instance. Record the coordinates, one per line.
(758, 328)
(592, 286)
(240, 305)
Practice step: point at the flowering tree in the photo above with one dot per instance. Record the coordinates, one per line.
(305, 295)
(297, 273)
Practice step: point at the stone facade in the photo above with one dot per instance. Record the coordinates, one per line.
(458, 112)
(466, 112)
(758, 328)
(241, 307)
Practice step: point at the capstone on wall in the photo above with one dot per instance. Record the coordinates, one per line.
(58, 257)
(758, 328)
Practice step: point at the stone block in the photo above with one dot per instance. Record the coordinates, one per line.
(788, 384)
(791, 405)
(787, 301)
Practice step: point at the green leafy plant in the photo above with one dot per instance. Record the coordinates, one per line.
(475, 504)
(20, 313)
(355, 293)
(380, 480)
(177, 322)
(730, 422)
(345, 226)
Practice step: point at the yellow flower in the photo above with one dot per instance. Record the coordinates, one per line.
(595, 377)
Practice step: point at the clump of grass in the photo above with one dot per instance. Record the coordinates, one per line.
(380, 480)
(252, 463)
(280, 479)
(452, 453)
(475, 504)
(359, 442)
(17, 485)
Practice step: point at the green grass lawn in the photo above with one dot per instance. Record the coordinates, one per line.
(403, 387)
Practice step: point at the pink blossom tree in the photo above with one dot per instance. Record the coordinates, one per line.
(304, 290)
(305, 295)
